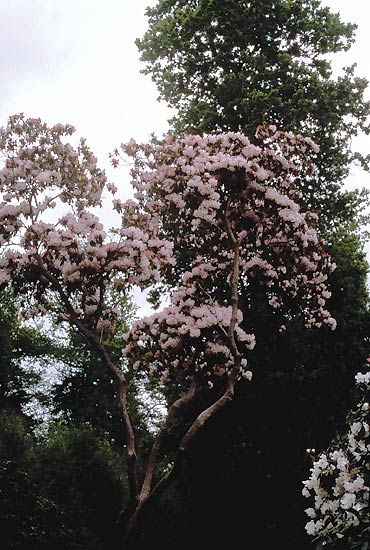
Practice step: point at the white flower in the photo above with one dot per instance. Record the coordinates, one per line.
(347, 501)
(362, 378)
(313, 527)
(354, 486)
(356, 427)
(330, 506)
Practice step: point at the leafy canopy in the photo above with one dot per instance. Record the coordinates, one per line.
(232, 65)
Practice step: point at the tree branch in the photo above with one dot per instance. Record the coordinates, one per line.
(172, 411)
(147, 493)
(96, 343)
(205, 415)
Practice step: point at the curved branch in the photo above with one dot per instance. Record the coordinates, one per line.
(94, 339)
(147, 493)
(205, 415)
(172, 411)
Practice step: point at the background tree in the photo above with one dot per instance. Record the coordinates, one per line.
(25, 514)
(64, 490)
(85, 477)
(233, 65)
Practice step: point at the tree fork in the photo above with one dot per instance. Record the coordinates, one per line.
(227, 396)
(147, 493)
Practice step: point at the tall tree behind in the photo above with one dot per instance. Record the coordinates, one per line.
(231, 65)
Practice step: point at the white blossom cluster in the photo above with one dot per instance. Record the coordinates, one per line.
(339, 483)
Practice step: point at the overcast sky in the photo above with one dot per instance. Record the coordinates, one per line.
(75, 61)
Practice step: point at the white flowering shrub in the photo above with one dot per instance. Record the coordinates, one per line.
(338, 487)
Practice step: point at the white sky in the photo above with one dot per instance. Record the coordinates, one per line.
(75, 61)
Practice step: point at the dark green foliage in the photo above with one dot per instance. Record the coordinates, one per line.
(28, 518)
(232, 65)
(84, 477)
(64, 492)
(20, 347)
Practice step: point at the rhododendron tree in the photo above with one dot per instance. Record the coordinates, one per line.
(211, 215)
(339, 485)
(229, 206)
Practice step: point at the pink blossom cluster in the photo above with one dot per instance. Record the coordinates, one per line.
(188, 335)
(190, 179)
(211, 215)
(39, 161)
(339, 483)
(213, 194)
(48, 250)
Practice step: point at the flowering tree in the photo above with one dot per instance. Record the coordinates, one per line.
(212, 215)
(339, 483)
